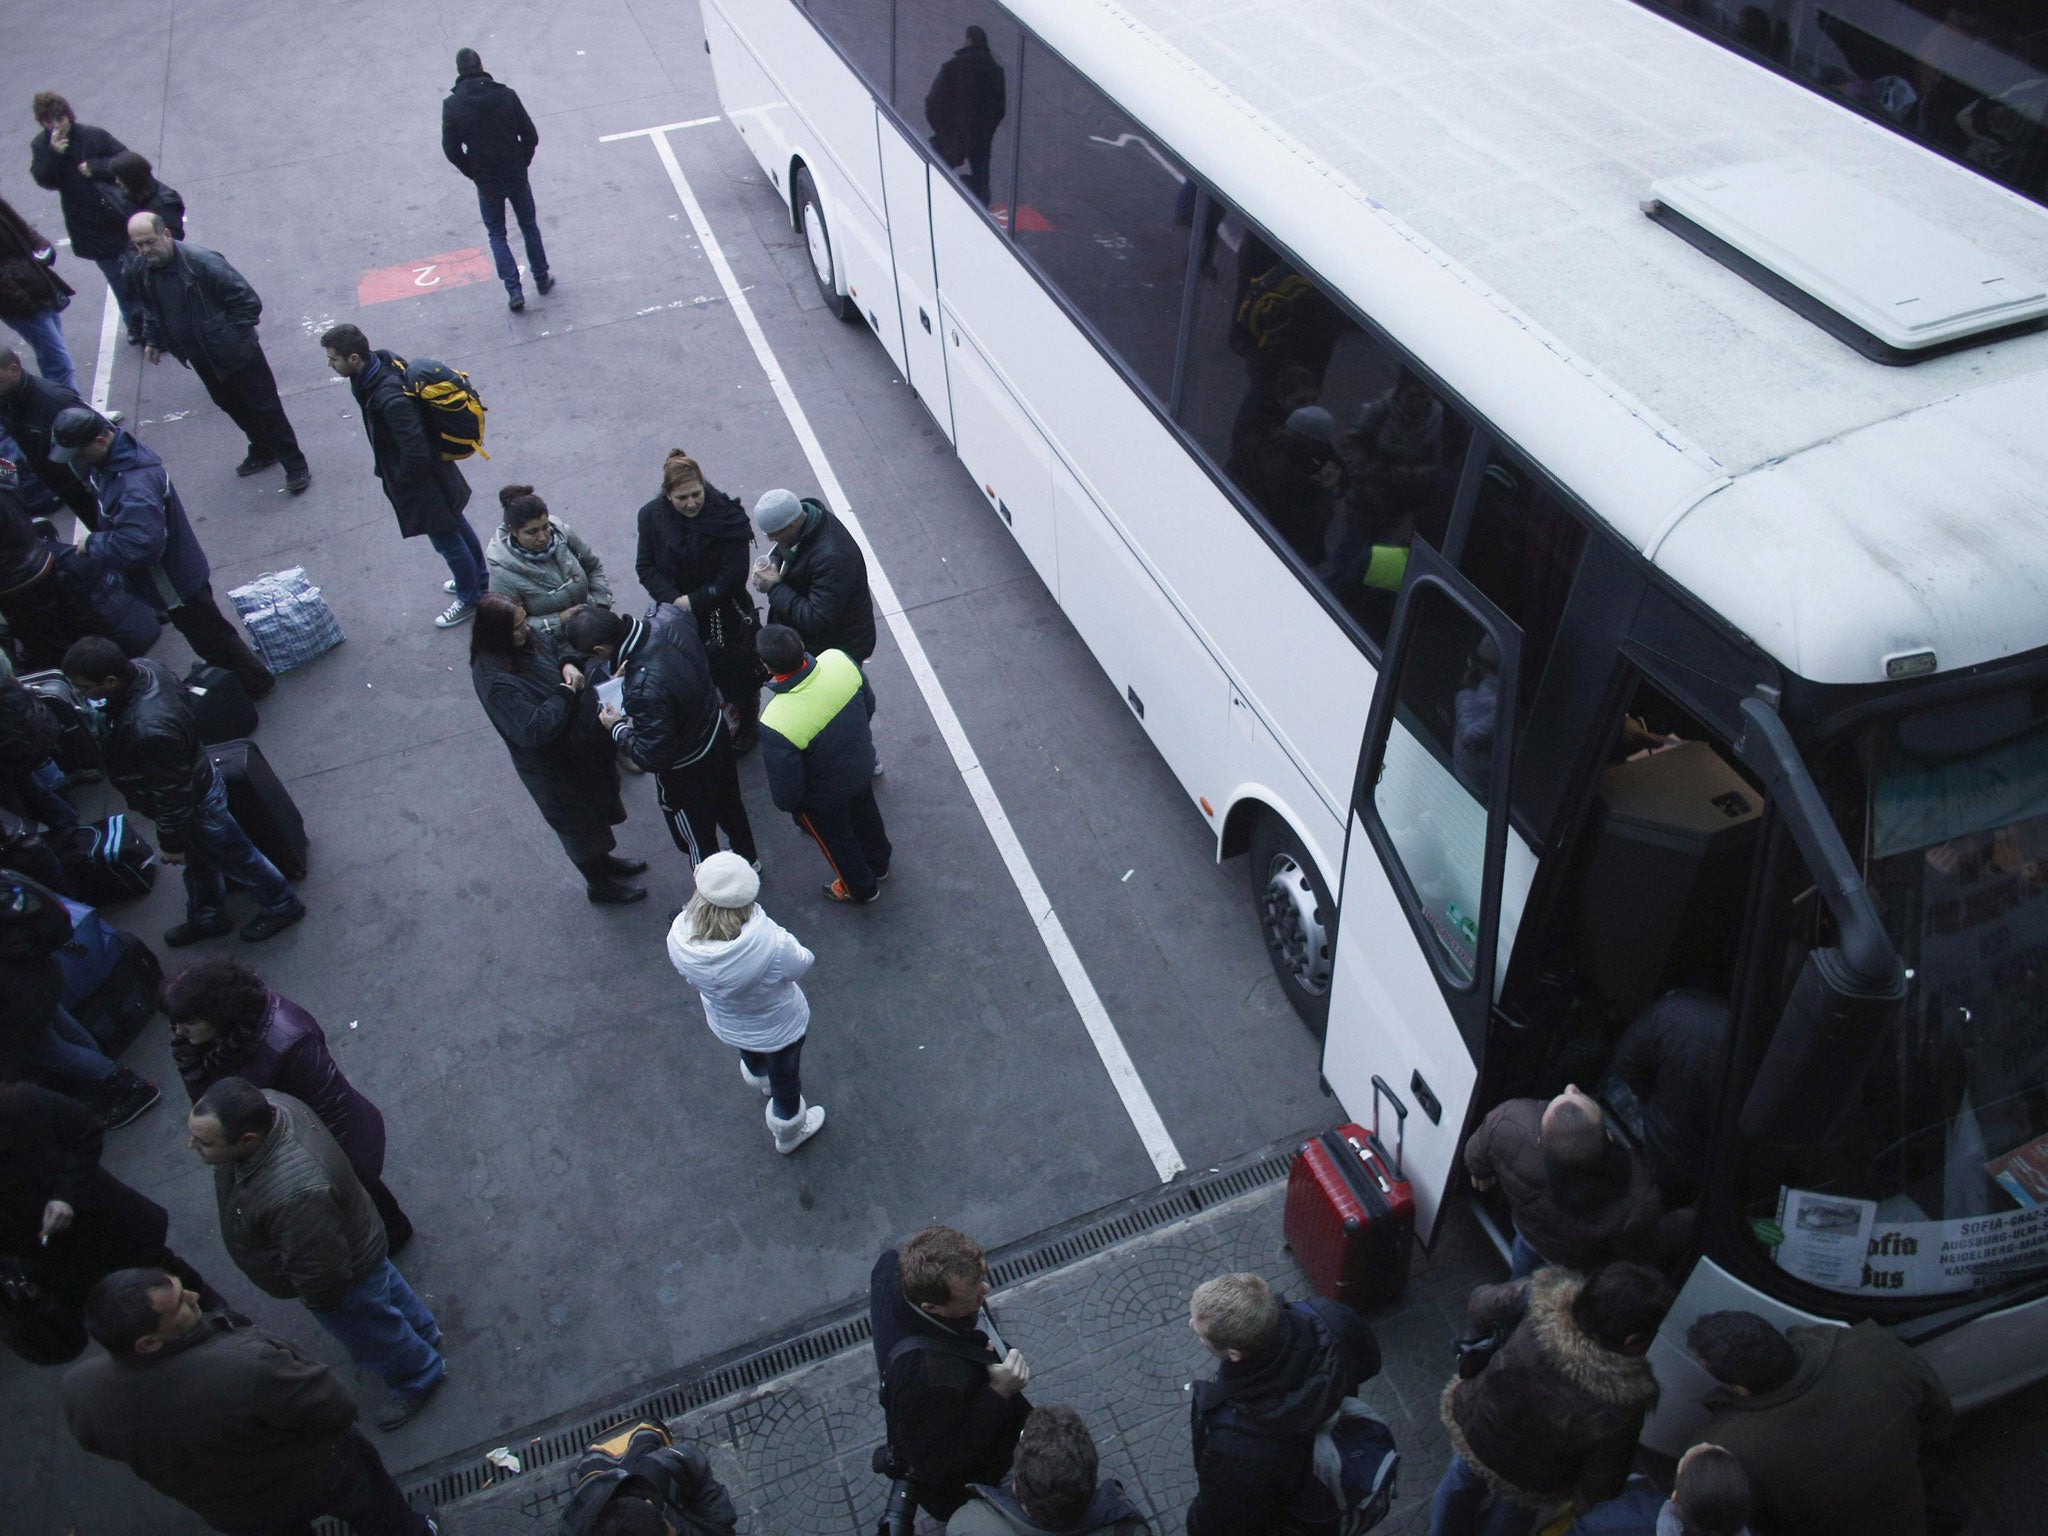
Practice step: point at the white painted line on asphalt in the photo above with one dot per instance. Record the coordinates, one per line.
(644, 133)
(103, 370)
(1052, 933)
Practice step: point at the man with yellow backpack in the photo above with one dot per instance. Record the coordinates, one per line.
(639, 1482)
(421, 417)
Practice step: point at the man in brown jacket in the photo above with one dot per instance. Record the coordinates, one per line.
(298, 1221)
(1828, 1422)
(233, 1423)
(1579, 1197)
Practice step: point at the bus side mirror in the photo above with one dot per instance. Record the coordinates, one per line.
(1845, 996)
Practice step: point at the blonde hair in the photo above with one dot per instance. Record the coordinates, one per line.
(1239, 1311)
(678, 470)
(713, 924)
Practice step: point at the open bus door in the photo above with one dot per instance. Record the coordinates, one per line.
(1420, 906)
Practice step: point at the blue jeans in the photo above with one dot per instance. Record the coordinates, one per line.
(110, 269)
(491, 198)
(1465, 1506)
(786, 1089)
(387, 1329)
(44, 332)
(1523, 1259)
(61, 1049)
(217, 849)
(465, 557)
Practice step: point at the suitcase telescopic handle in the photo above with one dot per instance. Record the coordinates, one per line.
(1379, 1087)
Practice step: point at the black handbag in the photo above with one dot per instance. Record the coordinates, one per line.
(33, 1323)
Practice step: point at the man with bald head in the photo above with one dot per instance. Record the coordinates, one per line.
(203, 312)
(1579, 1196)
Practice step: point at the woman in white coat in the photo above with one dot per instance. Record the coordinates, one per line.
(745, 966)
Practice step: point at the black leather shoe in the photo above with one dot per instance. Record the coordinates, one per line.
(297, 478)
(254, 464)
(268, 925)
(516, 303)
(614, 865)
(545, 283)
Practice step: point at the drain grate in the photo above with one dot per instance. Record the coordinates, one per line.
(560, 1440)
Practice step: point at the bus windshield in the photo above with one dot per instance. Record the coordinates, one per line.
(1934, 1177)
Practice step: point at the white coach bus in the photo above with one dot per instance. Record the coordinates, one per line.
(1569, 505)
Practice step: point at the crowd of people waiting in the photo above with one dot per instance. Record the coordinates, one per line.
(1811, 1430)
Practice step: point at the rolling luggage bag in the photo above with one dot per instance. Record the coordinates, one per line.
(221, 702)
(110, 979)
(1350, 1216)
(78, 752)
(262, 805)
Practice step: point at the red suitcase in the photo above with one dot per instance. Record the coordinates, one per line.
(1350, 1216)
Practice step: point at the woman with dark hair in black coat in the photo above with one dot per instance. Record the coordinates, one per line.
(695, 550)
(548, 720)
(226, 1022)
(65, 1219)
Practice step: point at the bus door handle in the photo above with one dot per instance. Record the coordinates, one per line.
(924, 320)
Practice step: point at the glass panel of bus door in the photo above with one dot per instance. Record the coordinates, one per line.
(906, 187)
(1419, 912)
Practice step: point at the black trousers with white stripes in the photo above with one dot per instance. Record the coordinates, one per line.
(703, 797)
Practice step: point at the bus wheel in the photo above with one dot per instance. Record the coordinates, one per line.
(818, 240)
(1297, 918)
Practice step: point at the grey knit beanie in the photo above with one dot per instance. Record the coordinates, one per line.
(776, 510)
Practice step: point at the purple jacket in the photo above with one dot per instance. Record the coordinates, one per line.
(292, 1058)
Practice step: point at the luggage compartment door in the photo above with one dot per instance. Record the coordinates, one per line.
(906, 185)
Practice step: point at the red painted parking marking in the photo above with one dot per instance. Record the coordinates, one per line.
(1028, 219)
(410, 279)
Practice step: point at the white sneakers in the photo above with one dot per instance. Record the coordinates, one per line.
(800, 1128)
(458, 612)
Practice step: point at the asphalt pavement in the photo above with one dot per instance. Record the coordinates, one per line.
(596, 1197)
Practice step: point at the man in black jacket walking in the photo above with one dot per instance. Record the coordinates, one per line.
(203, 312)
(426, 491)
(671, 724)
(155, 758)
(1284, 1370)
(815, 576)
(955, 1403)
(74, 160)
(33, 296)
(234, 1423)
(486, 135)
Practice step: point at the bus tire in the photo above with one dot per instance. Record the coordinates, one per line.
(1297, 919)
(810, 222)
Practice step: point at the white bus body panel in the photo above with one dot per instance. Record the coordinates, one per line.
(836, 111)
(1004, 452)
(1979, 1362)
(906, 181)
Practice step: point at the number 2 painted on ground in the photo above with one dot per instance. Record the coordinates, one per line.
(422, 278)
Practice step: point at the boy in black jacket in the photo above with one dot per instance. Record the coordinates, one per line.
(955, 1406)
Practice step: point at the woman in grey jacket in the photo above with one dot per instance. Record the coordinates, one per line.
(541, 564)
(745, 967)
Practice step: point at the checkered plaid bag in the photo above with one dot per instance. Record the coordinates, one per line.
(287, 618)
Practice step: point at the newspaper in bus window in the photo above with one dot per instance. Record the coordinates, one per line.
(1825, 1237)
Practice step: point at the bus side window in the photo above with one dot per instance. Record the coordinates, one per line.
(1346, 453)
(861, 29)
(957, 83)
(1522, 550)
(1095, 210)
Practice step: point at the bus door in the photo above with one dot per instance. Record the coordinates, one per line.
(906, 188)
(1420, 907)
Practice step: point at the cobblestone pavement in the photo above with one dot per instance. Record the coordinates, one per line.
(1107, 1334)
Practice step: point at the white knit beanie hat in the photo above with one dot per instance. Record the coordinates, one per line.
(727, 880)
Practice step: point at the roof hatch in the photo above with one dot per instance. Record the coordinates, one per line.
(1868, 271)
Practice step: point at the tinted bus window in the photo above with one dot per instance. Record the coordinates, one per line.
(1522, 551)
(956, 74)
(1348, 455)
(861, 29)
(1095, 209)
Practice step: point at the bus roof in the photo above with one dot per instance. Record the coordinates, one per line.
(1472, 174)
